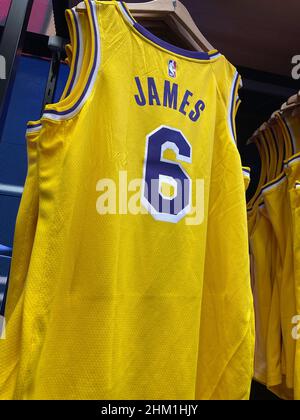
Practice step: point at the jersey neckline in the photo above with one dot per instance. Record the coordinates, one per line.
(143, 32)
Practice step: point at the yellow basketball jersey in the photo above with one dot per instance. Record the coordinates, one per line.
(275, 349)
(220, 376)
(279, 214)
(246, 169)
(110, 309)
(29, 202)
(296, 216)
(281, 208)
(270, 224)
(27, 221)
(24, 235)
(252, 205)
(251, 215)
(262, 287)
(261, 234)
(293, 175)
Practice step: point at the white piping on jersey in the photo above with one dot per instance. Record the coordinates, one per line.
(292, 161)
(213, 56)
(231, 107)
(246, 173)
(33, 129)
(125, 14)
(78, 65)
(64, 115)
(13, 189)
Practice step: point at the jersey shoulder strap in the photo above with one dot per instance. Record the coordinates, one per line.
(228, 82)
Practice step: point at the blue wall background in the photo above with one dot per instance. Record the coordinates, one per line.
(25, 104)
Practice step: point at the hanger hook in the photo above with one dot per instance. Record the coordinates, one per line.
(174, 3)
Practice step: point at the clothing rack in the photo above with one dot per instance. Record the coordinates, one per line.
(6, 253)
(11, 45)
(291, 103)
(56, 45)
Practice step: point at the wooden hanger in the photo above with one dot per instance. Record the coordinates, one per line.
(256, 134)
(253, 138)
(292, 102)
(296, 111)
(293, 99)
(176, 16)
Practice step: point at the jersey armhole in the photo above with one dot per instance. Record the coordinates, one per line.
(75, 62)
(228, 82)
(247, 176)
(263, 171)
(72, 105)
(234, 103)
(35, 127)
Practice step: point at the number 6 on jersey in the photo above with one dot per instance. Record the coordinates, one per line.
(159, 171)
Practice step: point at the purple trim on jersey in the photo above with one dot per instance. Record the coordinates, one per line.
(77, 52)
(232, 104)
(35, 125)
(247, 171)
(293, 159)
(271, 184)
(54, 112)
(172, 48)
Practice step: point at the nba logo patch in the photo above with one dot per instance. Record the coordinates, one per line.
(172, 68)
